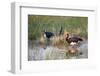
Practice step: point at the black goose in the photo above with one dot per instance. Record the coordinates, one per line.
(48, 34)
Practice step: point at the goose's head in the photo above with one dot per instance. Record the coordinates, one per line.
(66, 35)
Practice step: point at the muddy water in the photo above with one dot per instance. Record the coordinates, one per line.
(36, 52)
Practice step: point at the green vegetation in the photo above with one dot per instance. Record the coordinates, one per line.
(38, 24)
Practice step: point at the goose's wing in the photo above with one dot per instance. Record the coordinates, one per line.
(75, 39)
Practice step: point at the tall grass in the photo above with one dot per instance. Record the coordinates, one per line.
(38, 24)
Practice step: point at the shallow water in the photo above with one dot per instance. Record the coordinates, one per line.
(36, 52)
(84, 49)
